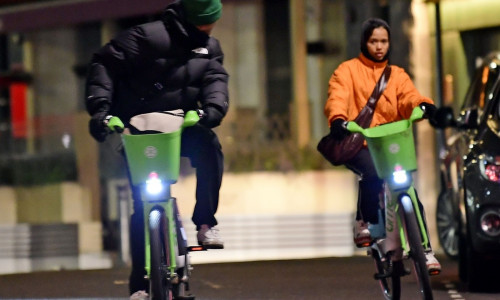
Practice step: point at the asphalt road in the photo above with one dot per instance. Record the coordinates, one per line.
(323, 278)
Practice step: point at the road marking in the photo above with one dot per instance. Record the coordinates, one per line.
(452, 291)
(211, 284)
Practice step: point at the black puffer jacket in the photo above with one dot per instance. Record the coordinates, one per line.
(162, 65)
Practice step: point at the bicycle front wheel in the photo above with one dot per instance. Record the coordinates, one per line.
(389, 281)
(417, 254)
(160, 286)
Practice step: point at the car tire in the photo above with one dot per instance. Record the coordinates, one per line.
(447, 225)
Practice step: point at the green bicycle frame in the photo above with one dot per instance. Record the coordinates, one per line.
(156, 157)
(392, 149)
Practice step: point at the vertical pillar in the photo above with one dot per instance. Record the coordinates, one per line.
(28, 67)
(300, 104)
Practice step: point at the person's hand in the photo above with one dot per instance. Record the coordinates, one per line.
(429, 110)
(443, 118)
(338, 130)
(212, 117)
(97, 127)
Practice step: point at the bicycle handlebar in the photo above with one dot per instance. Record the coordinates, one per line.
(114, 124)
(416, 114)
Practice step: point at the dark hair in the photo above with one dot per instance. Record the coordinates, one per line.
(367, 31)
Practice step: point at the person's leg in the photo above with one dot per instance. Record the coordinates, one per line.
(137, 282)
(203, 148)
(369, 188)
(136, 279)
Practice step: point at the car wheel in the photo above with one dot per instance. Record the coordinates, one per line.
(447, 224)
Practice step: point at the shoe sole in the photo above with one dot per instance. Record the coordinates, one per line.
(433, 271)
(363, 242)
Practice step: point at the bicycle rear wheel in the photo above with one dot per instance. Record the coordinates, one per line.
(389, 281)
(160, 286)
(417, 254)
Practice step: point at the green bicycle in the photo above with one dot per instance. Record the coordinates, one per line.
(153, 158)
(400, 233)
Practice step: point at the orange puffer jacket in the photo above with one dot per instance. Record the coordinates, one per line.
(352, 83)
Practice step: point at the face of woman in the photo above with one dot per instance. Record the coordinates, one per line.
(378, 43)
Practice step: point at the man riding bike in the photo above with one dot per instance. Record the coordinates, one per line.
(164, 65)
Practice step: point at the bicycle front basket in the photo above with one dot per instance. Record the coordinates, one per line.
(392, 145)
(158, 152)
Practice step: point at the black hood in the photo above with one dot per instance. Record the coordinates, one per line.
(180, 29)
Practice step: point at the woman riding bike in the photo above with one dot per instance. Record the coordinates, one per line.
(349, 89)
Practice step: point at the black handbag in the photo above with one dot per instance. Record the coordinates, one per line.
(337, 152)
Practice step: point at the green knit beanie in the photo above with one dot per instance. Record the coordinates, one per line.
(202, 12)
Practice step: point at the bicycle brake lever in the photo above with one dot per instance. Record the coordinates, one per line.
(114, 124)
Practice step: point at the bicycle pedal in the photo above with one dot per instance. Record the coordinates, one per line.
(196, 248)
(364, 244)
(434, 272)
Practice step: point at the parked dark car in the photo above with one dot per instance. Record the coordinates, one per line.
(468, 207)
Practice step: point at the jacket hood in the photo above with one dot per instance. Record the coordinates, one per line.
(176, 23)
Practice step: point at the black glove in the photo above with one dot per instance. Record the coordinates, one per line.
(443, 118)
(212, 117)
(97, 128)
(429, 110)
(338, 130)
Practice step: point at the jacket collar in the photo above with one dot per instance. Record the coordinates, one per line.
(370, 63)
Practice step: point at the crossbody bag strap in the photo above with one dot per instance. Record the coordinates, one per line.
(379, 87)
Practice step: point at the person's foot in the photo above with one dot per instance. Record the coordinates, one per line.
(209, 237)
(139, 295)
(433, 265)
(362, 237)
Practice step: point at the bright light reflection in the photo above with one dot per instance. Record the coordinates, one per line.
(66, 140)
(400, 177)
(154, 186)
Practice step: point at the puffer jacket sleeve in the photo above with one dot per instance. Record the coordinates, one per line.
(106, 65)
(340, 87)
(215, 80)
(408, 95)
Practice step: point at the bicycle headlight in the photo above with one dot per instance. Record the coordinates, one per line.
(400, 176)
(154, 185)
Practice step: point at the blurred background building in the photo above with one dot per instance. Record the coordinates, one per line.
(55, 180)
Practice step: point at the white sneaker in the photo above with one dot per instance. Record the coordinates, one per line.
(433, 265)
(209, 237)
(362, 237)
(139, 295)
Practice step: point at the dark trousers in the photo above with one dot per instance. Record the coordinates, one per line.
(203, 148)
(369, 187)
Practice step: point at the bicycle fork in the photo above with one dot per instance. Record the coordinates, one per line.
(396, 239)
(167, 207)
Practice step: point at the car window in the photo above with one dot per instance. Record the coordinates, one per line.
(494, 120)
(482, 85)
